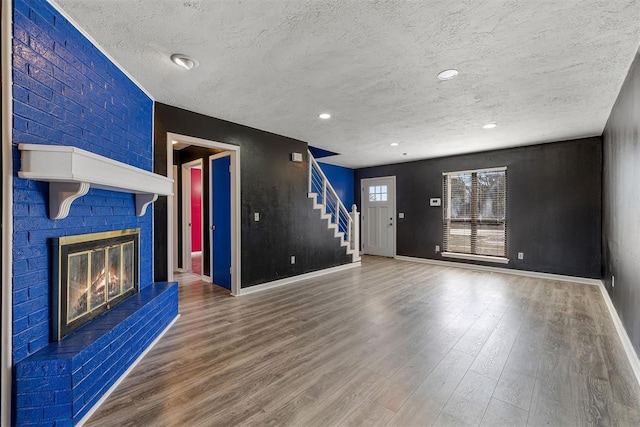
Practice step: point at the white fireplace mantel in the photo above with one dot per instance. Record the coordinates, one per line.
(71, 171)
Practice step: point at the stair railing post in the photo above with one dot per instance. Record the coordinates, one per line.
(355, 232)
(324, 194)
(310, 171)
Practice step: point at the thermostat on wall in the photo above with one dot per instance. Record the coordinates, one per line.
(435, 201)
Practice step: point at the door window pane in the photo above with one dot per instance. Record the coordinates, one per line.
(378, 193)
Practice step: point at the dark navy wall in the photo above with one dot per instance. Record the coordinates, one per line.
(553, 204)
(341, 179)
(67, 93)
(271, 184)
(621, 204)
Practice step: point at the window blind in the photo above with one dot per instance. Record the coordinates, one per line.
(475, 220)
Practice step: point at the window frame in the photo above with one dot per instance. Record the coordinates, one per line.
(474, 220)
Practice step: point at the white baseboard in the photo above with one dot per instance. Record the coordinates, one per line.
(294, 279)
(123, 376)
(206, 279)
(535, 274)
(622, 333)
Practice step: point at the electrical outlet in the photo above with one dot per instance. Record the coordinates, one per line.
(293, 259)
(256, 216)
(437, 248)
(401, 215)
(613, 282)
(520, 255)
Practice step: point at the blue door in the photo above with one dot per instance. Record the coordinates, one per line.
(221, 221)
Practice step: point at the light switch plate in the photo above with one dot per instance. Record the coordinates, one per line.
(256, 216)
(434, 201)
(401, 215)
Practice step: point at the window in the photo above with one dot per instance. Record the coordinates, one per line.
(475, 221)
(378, 193)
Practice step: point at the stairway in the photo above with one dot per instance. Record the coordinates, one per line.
(345, 224)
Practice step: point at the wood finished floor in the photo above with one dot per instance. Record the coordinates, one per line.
(392, 343)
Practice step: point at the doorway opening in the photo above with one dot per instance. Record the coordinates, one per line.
(218, 167)
(379, 216)
(192, 221)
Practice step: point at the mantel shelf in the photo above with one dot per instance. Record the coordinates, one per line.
(71, 172)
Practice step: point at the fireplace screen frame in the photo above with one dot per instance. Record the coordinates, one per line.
(68, 246)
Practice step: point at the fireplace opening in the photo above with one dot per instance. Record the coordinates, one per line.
(93, 273)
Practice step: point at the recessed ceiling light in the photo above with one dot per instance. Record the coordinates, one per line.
(490, 125)
(447, 74)
(394, 144)
(184, 61)
(325, 116)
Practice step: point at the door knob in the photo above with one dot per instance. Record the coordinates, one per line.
(213, 227)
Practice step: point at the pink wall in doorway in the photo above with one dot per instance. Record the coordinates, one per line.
(196, 210)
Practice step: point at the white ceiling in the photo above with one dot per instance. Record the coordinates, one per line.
(545, 70)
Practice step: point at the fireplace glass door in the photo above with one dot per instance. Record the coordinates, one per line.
(94, 273)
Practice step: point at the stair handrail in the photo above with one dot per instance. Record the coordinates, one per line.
(339, 210)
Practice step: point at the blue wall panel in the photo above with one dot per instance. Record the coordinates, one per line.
(68, 93)
(341, 179)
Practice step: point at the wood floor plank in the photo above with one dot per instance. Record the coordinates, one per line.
(424, 405)
(397, 389)
(623, 387)
(593, 401)
(474, 339)
(337, 407)
(368, 414)
(552, 402)
(501, 414)
(515, 388)
(626, 416)
(468, 402)
(495, 352)
(390, 343)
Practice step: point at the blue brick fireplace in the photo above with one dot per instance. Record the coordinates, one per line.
(66, 92)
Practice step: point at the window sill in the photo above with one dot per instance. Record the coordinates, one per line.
(485, 258)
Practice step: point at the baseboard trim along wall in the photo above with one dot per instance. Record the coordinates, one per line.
(294, 279)
(538, 275)
(634, 361)
(117, 383)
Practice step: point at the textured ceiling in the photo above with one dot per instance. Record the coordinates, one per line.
(544, 70)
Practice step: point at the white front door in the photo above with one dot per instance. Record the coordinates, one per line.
(379, 216)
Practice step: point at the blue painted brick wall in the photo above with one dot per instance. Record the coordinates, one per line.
(59, 384)
(67, 93)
